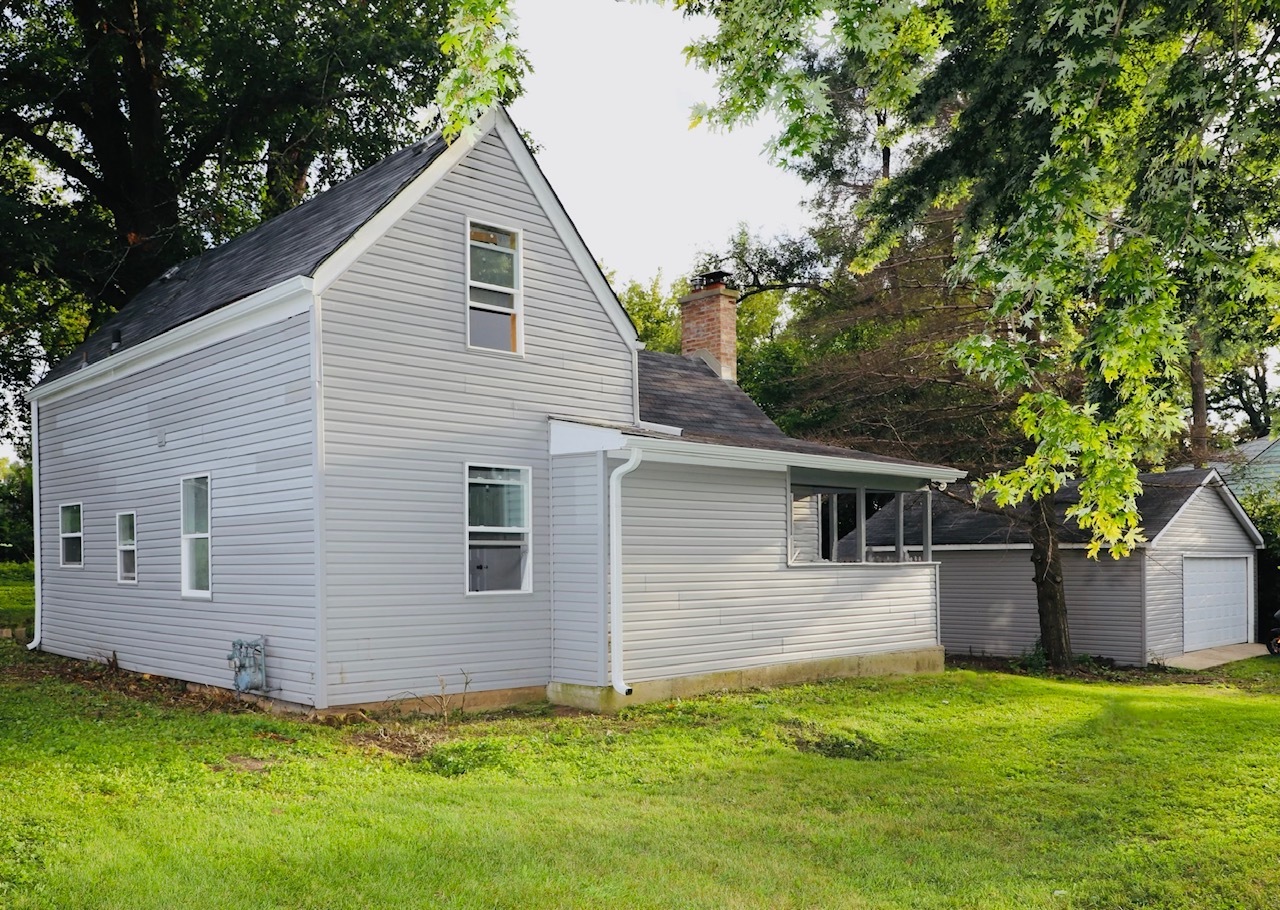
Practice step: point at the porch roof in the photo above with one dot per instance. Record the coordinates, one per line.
(569, 435)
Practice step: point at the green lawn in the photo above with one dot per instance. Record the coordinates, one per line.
(969, 789)
(17, 595)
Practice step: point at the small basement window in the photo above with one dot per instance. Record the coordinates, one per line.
(498, 505)
(196, 568)
(71, 536)
(494, 301)
(126, 548)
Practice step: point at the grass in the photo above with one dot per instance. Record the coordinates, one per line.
(970, 789)
(17, 595)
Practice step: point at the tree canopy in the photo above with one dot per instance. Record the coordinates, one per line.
(1116, 161)
(134, 135)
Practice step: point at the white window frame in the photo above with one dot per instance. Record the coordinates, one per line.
(517, 292)
(189, 593)
(526, 472)
(62, 552)
(122, 548)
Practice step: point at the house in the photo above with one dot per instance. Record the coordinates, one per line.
(404, 437)
(1252, 465)
(1190, 586)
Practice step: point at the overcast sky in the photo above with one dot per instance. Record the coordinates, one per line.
(609, 103)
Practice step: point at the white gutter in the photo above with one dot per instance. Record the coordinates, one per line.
(35, 504)
(615, 569)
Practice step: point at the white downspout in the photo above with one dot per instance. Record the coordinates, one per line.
(615, 570)
(35, 504)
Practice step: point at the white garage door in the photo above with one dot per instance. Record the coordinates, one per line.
(1215, 601)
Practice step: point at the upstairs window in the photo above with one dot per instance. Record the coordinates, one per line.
(497, 529)
(71, 534)
(195, 536)
(494, 305)
(126, 548)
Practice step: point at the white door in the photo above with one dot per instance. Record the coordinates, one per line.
(1216, 597)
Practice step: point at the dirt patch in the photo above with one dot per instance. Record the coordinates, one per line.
(405, 742)
(106, 676)
(1099, 670)
(244, 763)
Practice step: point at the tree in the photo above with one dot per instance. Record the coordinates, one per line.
(133, 136)
(17, 535)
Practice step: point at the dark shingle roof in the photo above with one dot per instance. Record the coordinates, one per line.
(957, 523)
(684, 392)
(294, 243)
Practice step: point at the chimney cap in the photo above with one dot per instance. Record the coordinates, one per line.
(711, 279)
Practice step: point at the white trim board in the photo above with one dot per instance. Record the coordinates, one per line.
(560, 220)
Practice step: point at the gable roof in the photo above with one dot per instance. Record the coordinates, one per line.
(685, 392)
(291, 244)
(959, 524)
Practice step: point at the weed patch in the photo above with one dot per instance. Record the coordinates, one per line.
(813, 739)
(453, 759)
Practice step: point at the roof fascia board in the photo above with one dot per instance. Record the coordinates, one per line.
(340, 260)
(290, 297)
(701, 453)
(1225, 492)
(560, 220)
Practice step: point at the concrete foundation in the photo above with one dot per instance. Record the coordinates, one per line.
(607, 700)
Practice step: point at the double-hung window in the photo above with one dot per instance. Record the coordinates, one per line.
(498, 500)
(195, 536)
(494, 305)
(127, 548)
(71, 536)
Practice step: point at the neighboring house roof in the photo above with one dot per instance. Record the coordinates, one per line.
(685, 392)
(1250, 465)
(293, 243)
(959, 524)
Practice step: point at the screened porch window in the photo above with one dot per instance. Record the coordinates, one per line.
(849, 525)
(498, 528)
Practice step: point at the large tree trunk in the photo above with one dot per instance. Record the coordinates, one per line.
(1051, 594)
(1199, 407)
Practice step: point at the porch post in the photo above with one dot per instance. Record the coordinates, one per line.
(860, 511)
(902, 544)
(927, 532)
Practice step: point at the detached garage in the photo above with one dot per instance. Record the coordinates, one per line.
(1189, 587)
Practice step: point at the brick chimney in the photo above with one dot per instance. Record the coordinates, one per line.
(709, 323)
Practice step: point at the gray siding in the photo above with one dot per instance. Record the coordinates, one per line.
(579, 560)
(989, 603)
(406, 405)
(240, 410)
(707, 587)
(1205, 526)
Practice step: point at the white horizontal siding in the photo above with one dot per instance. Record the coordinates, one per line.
(240, 410)
(578, 569)
(989, 603)
(406, 405)
(707, 587)
(1206, 525)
